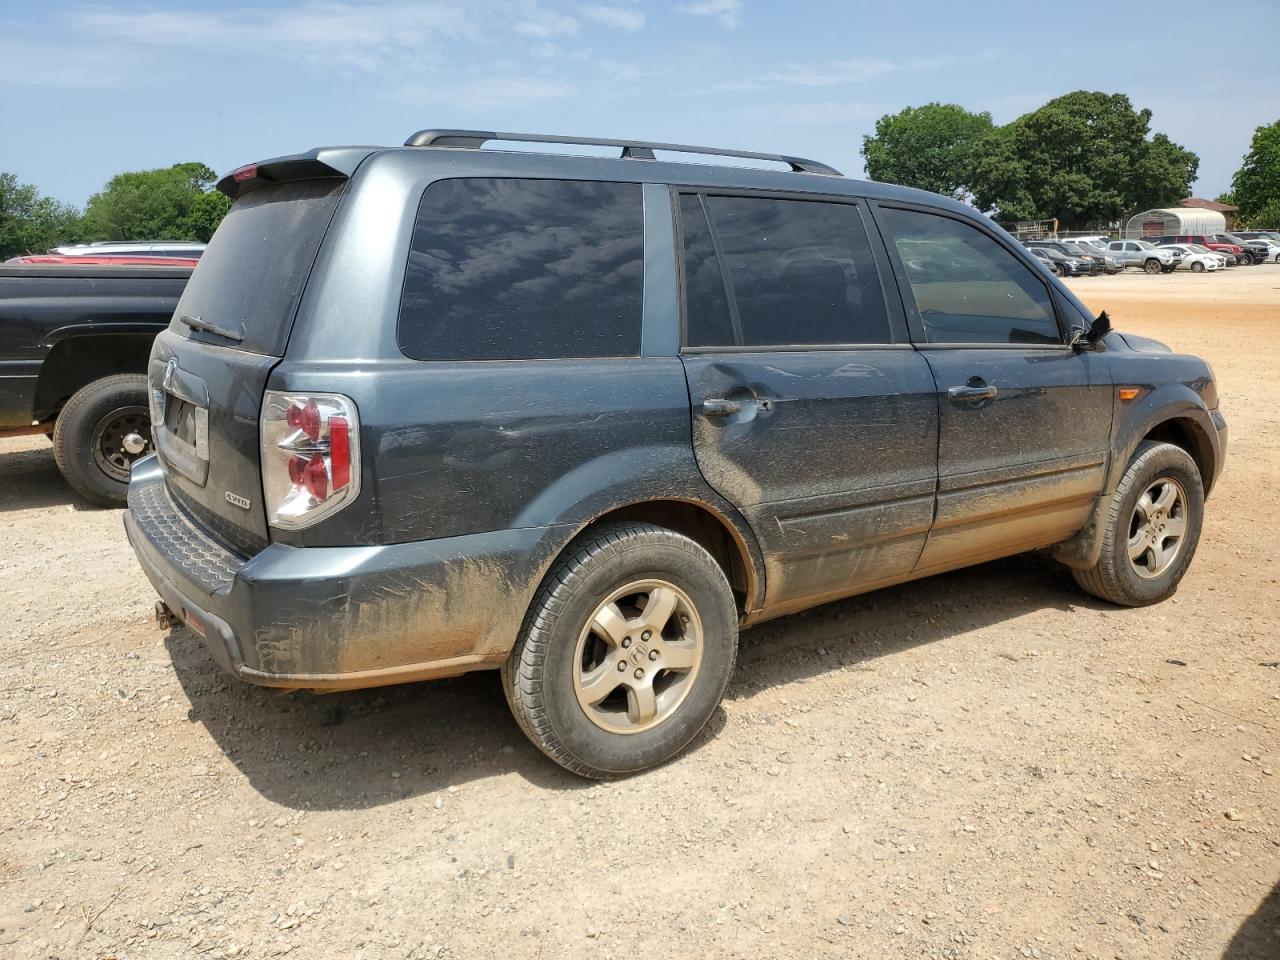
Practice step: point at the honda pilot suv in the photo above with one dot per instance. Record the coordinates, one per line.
(437, 408)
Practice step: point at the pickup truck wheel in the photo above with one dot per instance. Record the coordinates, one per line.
(1151, 529)
(625, 652)
(101, 431)
(1152, 267)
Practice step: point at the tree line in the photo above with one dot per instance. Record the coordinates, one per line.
(171, 203)
(1083, 158)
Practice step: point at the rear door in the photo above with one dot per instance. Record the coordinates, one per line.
(812, 412)
(209, 369)
(1024, 419)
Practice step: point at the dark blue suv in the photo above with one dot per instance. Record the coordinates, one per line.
(437, 408)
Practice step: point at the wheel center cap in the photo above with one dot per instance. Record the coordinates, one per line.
(639, 652)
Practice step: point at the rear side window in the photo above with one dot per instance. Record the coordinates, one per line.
(795, 272)
(967, 287)
(252, 274)
(518, 269)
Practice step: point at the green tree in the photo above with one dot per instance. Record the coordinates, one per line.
(171, 203)
(30, 223)
(1081, 158)
(927, 147)
(1256, 185)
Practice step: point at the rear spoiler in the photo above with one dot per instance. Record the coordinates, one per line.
(322, 163)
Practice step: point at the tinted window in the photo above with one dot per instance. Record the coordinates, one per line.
(510, 269)
(799, 272)
(252, 273)
(968, 288)
(706, 305)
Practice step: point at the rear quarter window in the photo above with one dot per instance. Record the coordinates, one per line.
(522, 269)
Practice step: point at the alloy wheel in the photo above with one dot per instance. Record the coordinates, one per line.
(638, 656)
(1157, 527)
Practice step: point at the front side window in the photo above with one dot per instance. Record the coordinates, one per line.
(778, 273)
(967, 287)
(521, 269)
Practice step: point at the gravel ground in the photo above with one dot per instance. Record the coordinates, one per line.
(988, 764)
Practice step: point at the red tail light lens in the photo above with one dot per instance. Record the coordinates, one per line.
(310, 456)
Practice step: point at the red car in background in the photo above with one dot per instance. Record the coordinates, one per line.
(105, 260)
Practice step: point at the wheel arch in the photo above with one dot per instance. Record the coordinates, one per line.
(77, 360)
(1191, 436)
(729, 541)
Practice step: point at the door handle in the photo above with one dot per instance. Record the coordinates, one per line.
(718, 407)
(975, 389)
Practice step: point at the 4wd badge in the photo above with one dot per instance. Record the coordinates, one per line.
(239, 501)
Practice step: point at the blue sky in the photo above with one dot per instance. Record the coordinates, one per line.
(91, 89)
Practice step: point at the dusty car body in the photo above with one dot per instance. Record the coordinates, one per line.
(481, 394)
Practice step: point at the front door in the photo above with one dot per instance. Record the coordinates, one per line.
(812, 412)
(1024, 419)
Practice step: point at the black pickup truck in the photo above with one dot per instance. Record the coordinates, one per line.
(74, 343)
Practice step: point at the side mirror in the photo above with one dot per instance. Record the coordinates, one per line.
(1082, 339)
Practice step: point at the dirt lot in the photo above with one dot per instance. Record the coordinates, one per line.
(984, 765)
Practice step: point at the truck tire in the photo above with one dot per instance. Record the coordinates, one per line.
(101, 431)
(1151, 528)
(1152, 267)
(625, 652)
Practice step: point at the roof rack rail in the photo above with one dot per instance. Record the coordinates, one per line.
(631, 149)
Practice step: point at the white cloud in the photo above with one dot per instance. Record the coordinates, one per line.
(350, 35)
(536, 21)
(624, 18)
(728, 12)
(841, 72)
(486, 93)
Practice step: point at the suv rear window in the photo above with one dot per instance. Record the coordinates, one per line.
(252, 273)
(520, 269)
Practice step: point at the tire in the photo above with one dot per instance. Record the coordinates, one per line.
(1152, 267)
(91, 433)
(1137, 583)
(560, 662)
(1197, 267)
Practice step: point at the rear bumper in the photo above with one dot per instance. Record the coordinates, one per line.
(337, 618)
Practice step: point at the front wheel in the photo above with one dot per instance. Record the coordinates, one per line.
(1152, 527)
(101, 431)
(1152, 267)
(1197, 268)
(625, 652)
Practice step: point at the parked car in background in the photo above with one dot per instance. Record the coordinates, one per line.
(105, 260)
(1144, 255)
(1259, 234)
(597, 414)
(1103, 262)
(74, 342)
(1272, 253)
(1098, 239)
(1230, 248)
(1195, 261)
(1224, 260)
(133, 248)
(1255, 249)
(1062, 265)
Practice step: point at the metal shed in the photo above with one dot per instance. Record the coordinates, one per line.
(1174, 220)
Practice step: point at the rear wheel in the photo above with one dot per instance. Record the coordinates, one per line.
(1152, 267)
(625, 652)
(1151, 528)
(103, 429)
(1197, 267)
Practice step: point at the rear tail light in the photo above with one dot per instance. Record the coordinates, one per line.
(310, 456)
